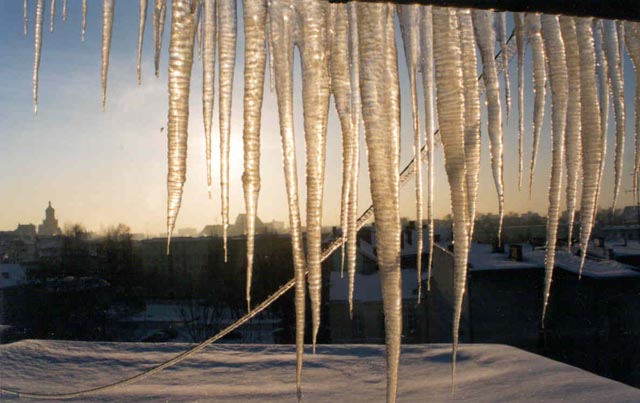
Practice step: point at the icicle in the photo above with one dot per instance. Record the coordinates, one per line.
(502, 36)
(255, 14)
(590, 122)
(141, 23)
(632, 42)
(616, 83)
(180, 63)
(25, 18)
(281, 16)
(603, 96)
(227, 27)
(52, 15)
(380, 112)
(84, 18)
(199, 30)
(485, 36)
(315, 99)
(573, 141)
(159, 13)
(558, 77)
(107, 28)
(426, 44)
(472, 143)
(37, 48)
(352, 226)
(64, 10)
(521, 33)
(208, 77)
(539, 87)
(409, 15)
(450, 103)
(341, 89)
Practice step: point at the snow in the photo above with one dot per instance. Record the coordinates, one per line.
(481, 258)
(355, 373)
(368, 286)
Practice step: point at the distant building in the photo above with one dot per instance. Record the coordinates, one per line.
(238, 228)
(12, 275)
(25, 231)
(49, 226)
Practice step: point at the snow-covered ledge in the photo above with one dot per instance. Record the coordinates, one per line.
(264, 373)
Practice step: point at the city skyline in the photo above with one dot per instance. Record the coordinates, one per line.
(104, 168)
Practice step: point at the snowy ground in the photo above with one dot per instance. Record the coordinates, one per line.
(266, 373)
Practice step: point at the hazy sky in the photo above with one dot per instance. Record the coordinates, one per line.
(102, 168)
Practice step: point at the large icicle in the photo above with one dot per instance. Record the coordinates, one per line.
(180, 63)
(380, 112)
(315, 100)
(632, 42)
(352, 226)
(573, 140)
(84, 18)
(521, 44)
(616, 83)
(255, 56)
(37, 49)
(539, 87)
(337, 21)
(25, 18)
(409, 15)
(208, 77)
(281, 15)
(501, 23)
(64, 10)
(485, 36)
(603, 97)
(159, 14)
(450, 103)
(52, 15)
(590, 122)
(558, 77)
(141, 24)
(227, 27)
(107, 29)
(472, 142)
(426, 45)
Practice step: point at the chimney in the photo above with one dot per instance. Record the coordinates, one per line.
(515, 253)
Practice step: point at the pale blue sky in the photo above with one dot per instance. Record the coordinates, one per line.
(101, 168)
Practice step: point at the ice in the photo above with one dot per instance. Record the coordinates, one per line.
(84, 18)
(573, 139)
(380, 112)
(37, 50)
(141, 24)
(616, 83)
(208, 77)
(590, 123)
(501, 23)
(107, 30)
(281, 15)
(64, 10)
(52, 15)
(472, 144)
(451, 114)
(180, 63)
(632, 42)
(521, 43)
(409, 16)
(25, 18)
(227, 27)
(603, 97)
(485, 36)
(255, 53)
(426, 43)
(159, 14)
(559, 83)
(539, 87)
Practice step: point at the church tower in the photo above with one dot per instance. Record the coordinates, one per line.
(49, 226)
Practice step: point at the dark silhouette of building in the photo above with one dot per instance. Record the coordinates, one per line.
(49, 226)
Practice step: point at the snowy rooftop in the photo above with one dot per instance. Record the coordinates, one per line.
(367, 286)
(12, 275)
(266, 373)
(481, 258)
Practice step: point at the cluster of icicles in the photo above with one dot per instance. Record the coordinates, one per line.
(349, 51)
